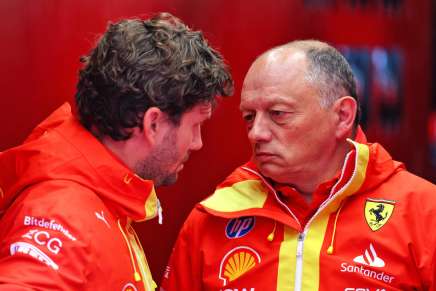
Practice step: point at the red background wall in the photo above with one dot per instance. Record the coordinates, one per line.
(42, 40)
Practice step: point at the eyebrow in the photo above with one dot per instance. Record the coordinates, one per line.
(269, 103)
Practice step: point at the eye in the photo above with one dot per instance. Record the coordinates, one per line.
(248, 117)
(277, 113)
(279, 116)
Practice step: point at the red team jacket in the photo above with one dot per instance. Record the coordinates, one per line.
(66, 204)
(375, 231)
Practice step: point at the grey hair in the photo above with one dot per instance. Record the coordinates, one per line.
(328, 71)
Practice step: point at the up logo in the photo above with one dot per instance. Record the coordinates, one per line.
(238, 227)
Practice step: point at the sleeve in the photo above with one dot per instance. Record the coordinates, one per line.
(14, 287)
(421, 216)
(184, 270)
(41, 246)
(433, 271)
(428, 272)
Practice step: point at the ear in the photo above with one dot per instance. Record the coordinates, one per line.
(153, 124)
(345, 109)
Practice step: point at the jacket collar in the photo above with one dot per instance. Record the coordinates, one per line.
(60, 148)
(247, 192)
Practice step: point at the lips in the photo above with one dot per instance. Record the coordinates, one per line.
(264, 156)
(186, 158)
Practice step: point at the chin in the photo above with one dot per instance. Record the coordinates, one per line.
(169, 180)
(268, 170)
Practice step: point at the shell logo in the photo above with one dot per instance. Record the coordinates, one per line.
(237, 262)
(129, 287)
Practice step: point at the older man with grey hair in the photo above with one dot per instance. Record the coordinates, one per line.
(317, 207)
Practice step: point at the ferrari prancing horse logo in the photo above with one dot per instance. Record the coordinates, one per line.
(378, 212)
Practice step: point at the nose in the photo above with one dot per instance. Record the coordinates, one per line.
(259, 130)
(197, 142)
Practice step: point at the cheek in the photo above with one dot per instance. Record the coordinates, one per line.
(185, 142)
(299, 141)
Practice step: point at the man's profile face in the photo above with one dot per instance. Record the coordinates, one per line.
(168, 157)
(290, 133)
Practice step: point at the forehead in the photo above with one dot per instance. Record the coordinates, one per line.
(275, 78)
(278, 64)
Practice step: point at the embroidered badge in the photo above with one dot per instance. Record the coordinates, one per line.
(129, 287)
(237, 262)
(238, 227)
(370, 258)
(378, 212)
(28, 249)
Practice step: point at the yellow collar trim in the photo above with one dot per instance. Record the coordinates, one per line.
(356, 180)
(240, 196)
(252, 193)
(151, 205)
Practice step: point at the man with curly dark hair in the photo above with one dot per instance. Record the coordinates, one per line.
(71, 190)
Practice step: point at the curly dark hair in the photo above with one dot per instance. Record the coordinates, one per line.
(138, 64)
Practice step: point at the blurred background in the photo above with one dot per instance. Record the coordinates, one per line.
(389, 43)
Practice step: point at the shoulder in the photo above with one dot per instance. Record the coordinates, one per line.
(197, 218)
(52, 229)
(60, 197)
(62, 206)
(414, 198)
(200, 223)
(412, 187)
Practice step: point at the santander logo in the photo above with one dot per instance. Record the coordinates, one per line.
(370, 258)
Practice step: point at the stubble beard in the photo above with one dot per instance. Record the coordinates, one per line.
(156, 166)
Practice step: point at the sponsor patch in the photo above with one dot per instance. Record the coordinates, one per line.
(33, 251)
(48, 224)
(363, 289)
(100, 215)
(129, 287)
(237, 262)
(378, 212)
(43, 238)
(238, 227)
(369, 258)
(380, 276)
(238, 289)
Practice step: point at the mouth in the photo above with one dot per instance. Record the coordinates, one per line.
(264, 156)
(186, 158)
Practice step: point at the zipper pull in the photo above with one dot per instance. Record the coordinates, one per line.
(159, 212)
(300, 245)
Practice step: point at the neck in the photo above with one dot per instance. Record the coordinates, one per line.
(309, 182)
(120, 150)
